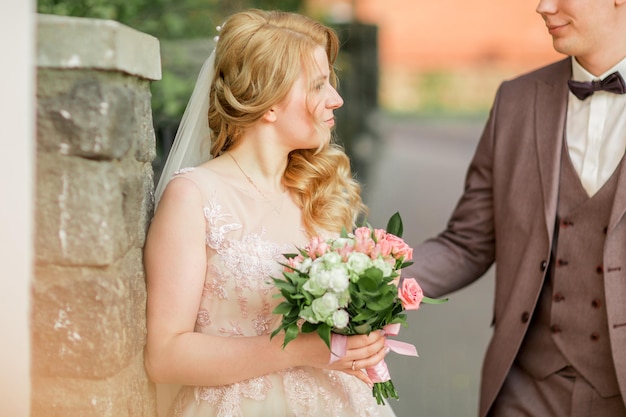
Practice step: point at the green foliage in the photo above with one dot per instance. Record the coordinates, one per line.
(165, 19)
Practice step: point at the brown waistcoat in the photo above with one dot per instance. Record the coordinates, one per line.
(569, 326)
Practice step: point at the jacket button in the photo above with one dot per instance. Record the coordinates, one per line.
(555, 328)
(525, 317)
(543, 266)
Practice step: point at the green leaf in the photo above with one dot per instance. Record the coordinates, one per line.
(382, 303)
(290, 333)
(283, 308)
(275, 332)
(373, 273)
(357, 303)
(363, 329)
(324, 331)
(394, 225)
(364, 315)
(428, 300)
(285, 286)
(309, 327)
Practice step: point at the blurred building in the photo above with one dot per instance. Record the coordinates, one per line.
(446, 54)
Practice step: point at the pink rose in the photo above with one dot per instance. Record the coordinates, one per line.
(294, 263)
(363, 241)
(382, 248)
(411, 294)
(399, 247)
(317, 247)
(345, 251)
(379, 234)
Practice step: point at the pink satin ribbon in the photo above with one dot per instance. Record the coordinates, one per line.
(379, 372)
(337, 346)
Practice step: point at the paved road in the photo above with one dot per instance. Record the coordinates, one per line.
(419, 171)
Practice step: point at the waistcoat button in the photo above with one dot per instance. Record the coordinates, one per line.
(595, 336)
(555, 328)
(596, 303)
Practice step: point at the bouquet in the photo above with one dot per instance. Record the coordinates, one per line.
(348, 285)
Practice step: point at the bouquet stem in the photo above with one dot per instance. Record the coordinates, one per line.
(382, 390)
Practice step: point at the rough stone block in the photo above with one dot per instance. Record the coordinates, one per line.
(146, 139)
(70, 397)
(79, 215)
(88, 322)
(93, 119)
(136, 183)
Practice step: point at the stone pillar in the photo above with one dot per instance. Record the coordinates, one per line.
(94, 181)
(17, 195)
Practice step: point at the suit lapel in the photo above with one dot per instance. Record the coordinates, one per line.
(550, 115)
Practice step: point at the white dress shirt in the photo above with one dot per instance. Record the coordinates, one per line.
(596, 130)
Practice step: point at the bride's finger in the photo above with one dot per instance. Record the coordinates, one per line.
(368, 361)
(367, 350)
(360, 375)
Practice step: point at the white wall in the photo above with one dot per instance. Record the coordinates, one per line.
(17, 155)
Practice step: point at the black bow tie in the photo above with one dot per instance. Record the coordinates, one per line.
(613, 83)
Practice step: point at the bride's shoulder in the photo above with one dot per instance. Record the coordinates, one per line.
(207, 174)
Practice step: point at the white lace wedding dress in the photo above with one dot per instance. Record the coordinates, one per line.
(246, 236)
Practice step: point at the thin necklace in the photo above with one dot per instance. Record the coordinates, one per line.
(275, 209)
(246, 175)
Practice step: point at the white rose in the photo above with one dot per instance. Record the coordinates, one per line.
(307, 315)
(358, 262)
(340, 319)
(305, 265)
(313, 287)
(324, 307)
(331, 258)
(344, 299)
(317, 266)
(318, 279)
(338, 279)
(341, 242)
(381, 264)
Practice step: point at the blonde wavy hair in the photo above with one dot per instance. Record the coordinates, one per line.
(258, 57)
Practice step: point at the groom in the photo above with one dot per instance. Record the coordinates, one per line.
(545, 199)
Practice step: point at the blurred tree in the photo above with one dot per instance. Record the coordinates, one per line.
(165, 19)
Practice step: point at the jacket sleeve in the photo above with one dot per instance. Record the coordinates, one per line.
(465, 250)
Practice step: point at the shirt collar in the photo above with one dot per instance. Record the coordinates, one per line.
(581, 74)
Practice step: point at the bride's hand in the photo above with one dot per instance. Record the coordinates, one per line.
(362, 351)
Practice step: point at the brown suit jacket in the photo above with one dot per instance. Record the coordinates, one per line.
(507, 215)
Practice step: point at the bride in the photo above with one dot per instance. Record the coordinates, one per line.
(252, 175)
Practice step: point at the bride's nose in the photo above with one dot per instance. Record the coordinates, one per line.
(334, 101)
